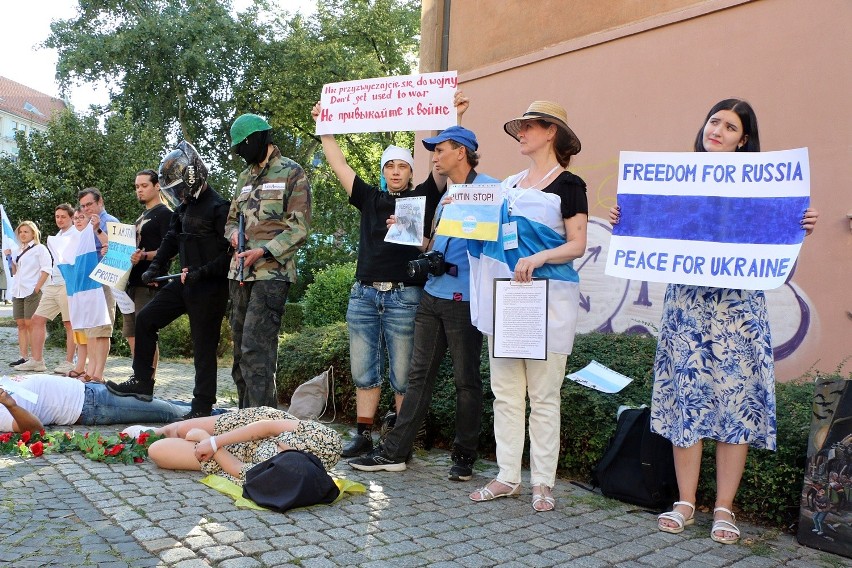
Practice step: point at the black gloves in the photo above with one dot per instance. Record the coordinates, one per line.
(193, 275)
(154, 271)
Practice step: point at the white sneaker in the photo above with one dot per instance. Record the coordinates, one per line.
(64, 368)
(32, 365)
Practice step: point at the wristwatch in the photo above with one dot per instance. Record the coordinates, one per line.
(100, 230)
(266, 253)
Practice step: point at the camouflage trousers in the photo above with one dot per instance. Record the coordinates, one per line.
(256, 310)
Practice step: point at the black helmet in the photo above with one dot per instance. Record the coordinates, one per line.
(183, 176)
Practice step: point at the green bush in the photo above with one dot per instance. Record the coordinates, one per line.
(293, 319)
(328, 295)
(175, 338)
(771, 484)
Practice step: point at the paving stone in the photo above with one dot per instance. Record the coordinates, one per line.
(117, 515)
(176, 554)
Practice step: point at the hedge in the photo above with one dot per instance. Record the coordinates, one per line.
(770, 489)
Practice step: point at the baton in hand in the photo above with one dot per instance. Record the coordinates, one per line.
(241, 246)
(167, 277)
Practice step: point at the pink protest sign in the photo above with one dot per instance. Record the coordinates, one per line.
(386, 104)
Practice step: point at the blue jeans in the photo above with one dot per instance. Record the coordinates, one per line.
(380, 321)
(102, 407)
(440, 325)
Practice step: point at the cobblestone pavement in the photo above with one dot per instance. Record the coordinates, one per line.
(65, 510)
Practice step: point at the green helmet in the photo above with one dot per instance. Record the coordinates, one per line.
(245, 125)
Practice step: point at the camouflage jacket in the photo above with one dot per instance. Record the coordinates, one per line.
(277, 207)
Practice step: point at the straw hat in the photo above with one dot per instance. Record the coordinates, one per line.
(550, 112)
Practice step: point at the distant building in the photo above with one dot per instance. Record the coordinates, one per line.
(23, 108)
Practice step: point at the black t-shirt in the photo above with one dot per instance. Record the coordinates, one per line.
(571, 190)
(151, 226)
(379, 261)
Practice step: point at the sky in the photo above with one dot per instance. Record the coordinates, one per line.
(27, 24)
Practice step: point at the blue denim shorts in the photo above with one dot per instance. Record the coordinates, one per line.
(379, 322)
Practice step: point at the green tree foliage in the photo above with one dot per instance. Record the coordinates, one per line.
(345, 40)
(171, 64)
(75, 152)
(187, 68)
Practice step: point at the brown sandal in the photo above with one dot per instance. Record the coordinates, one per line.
(76, 375)
(98, 380)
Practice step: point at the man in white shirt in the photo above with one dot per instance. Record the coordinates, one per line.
(54, 301)
(64, 401)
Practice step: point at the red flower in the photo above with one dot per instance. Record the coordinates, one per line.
(41, 433)
(5, 437)
(37, 449)
(86, 435)
(115, 450)
(143, 437)
(25, 436)
(137, 459)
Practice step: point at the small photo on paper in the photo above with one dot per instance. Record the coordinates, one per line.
(410, 213)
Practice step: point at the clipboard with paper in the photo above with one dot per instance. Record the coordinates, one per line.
(520, 319)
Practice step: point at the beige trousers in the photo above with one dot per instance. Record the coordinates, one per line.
(511, 381)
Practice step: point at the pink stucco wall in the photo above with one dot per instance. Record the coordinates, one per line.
(646, 86)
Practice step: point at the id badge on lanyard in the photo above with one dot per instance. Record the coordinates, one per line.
(510, 235)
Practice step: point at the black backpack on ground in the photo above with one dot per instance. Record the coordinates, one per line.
(637, 466)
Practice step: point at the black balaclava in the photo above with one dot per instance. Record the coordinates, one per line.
(253, 148)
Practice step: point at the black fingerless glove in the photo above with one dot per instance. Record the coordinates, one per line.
(194, 275)
(154, 271)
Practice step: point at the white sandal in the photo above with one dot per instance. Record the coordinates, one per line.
(725, 526)
(485, 494)
(677, 518)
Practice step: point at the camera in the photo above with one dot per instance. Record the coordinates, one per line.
(431, 262)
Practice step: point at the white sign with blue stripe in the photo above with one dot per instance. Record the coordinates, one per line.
(723, 219)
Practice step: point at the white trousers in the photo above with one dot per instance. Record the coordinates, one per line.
(511, 381)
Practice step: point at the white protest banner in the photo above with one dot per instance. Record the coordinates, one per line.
(474, 212)
(723, 219)
(116, 262)
(387, 104)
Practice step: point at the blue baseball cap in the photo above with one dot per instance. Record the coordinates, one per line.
(457, 134)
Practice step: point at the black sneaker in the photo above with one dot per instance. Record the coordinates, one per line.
(18, 362)
(359, 445)
(143, 390)
(195, 413)
(377, 461)
(462, 469)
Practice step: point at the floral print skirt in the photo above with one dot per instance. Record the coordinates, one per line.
(309, 436)
(714, 374)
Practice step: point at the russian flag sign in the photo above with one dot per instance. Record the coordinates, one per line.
(722, 219)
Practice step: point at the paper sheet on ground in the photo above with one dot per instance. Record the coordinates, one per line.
(474, 212)
(599, 377)
(15, 388)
